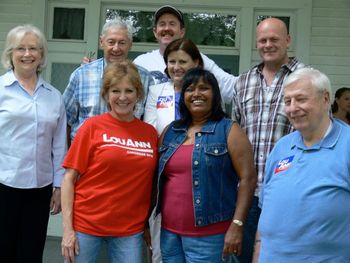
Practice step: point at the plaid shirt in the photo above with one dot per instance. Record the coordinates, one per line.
(259, 109)
(82, 96)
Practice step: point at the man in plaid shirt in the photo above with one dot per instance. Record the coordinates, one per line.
(82, 96)
(258, 108)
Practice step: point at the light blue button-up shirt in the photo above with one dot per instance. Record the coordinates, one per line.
(33, 134)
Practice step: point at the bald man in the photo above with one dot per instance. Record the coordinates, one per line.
(259, 109)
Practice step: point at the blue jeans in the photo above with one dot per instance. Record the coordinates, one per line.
(126, 249)
(177, 248)
(249, 232)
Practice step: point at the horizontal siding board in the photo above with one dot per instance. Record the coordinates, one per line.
(331, 60)
(15, 8)
(334, 70)
(329, 51)
(330, 12)
(330, 32)
(5, 27)
(16, 18)
(331, 41)
(331, 3)
(330, 21)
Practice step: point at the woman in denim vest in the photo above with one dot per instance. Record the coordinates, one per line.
(206, 177)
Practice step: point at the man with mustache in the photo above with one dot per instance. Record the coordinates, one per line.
(169, 25)
(258, 108)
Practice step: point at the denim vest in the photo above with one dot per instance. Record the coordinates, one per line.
(214, 180)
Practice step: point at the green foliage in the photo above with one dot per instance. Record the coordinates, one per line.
(203, 29)
(141, 21)
(211, 29)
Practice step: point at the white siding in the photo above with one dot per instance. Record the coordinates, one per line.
(330, 40)
(12, 13)
(15, 12)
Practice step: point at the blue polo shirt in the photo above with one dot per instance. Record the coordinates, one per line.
(305, 200)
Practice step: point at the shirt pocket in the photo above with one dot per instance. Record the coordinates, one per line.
(215, 155)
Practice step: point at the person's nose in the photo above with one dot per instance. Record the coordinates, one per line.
(122, 95)
(292, 106)
(116, 46)
(27, 52)
(196, 92)
(268, 44)
(167, 26)
(177, 66)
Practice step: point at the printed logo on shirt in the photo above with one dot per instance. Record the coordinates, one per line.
(159, 77)
(284, 164)
(165, 102)
(132, 147)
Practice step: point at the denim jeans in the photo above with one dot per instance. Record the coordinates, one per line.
(177, 248)
(249, 232)
(126, 249)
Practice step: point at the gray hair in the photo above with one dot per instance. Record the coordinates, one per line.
(318, 80)
(118, 23)
(14, 36)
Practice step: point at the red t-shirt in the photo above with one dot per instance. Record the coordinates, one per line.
(116, 161)
(177, 203)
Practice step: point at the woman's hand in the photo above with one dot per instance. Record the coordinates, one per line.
(233, 241)
(55, 203)
(69, 246)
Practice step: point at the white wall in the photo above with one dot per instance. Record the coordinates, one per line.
(11, 14)
(330, 40)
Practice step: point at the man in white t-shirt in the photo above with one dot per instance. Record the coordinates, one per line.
(168, 26)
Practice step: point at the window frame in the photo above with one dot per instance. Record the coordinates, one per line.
(51, 11)
(147, 46)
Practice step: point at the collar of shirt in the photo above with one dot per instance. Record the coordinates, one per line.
(328, 141)
(10, 80)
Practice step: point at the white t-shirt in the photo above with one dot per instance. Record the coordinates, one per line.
(153, 61)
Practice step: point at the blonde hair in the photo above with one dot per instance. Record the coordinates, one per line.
(115, 72)
(14, 36)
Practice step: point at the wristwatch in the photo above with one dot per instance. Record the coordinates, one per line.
(237, 222)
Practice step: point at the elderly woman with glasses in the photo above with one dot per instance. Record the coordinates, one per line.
(32, 147)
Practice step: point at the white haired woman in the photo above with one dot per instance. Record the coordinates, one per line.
(32, 147)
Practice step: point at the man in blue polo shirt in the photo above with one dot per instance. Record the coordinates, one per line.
(305, 196)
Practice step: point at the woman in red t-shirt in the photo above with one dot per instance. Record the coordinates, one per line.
(106, 192)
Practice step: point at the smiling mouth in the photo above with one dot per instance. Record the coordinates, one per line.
(270, 52)
(177, 74)
(123, 104)
(27, 61)
(198, 102)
